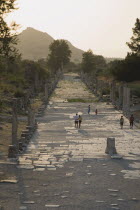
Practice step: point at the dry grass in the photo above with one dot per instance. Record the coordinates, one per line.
(37, 103)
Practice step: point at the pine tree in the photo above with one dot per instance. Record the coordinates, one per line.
(59, 55)
(134, 44)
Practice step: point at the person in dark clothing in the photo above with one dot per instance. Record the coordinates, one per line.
(131, 120)
(80, 120)
(89, 109)
(121, 122)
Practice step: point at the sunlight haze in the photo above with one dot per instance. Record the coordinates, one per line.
(104, 26)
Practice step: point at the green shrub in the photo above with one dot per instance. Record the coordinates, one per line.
(105, 91)
(19, 93)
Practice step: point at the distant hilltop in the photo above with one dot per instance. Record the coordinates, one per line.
(34, 45)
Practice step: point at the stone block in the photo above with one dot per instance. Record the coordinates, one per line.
(110, 149)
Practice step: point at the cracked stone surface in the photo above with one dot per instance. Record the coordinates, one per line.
(67, 168)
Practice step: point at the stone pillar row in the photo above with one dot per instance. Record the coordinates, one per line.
(19, 145)
(94, 84)
(119, 94)
(123, 102)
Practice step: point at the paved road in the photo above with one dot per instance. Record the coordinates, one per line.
(67, 168)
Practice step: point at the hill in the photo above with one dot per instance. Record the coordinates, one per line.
(34, 45)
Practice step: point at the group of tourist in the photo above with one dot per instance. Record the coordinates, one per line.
(78, 119)
(131, 121)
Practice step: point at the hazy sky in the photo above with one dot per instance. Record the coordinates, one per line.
(104, 26)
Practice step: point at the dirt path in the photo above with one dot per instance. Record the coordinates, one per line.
(67, 168)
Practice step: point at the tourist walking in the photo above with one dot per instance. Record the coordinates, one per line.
(121, 122)
(80, 121)
(131, 121)
(76, 119)
(89, 109)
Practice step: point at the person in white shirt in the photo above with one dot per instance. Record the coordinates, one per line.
(76, 117)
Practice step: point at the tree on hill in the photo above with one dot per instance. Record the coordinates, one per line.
(59, 55)
(134, 44)
(100, 63)
(92, 64)
(7, 33)
(88, 62)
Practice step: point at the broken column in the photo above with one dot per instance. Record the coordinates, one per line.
(110, 148)
(112, 92)
(31, 117)
(13, 149)
(46, 93)
(126, 99)
(30, 128)
(120, 96)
